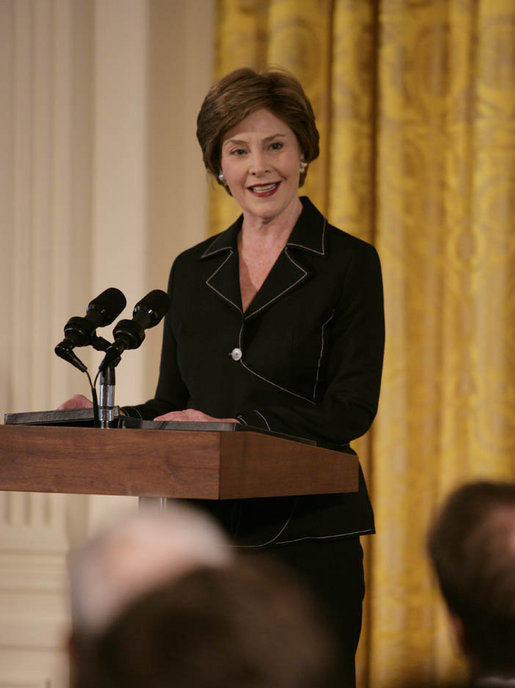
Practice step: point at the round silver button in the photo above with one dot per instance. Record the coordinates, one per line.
(236, 354)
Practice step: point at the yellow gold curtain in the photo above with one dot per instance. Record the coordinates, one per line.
(415, 104)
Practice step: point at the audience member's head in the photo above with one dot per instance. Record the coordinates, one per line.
(472, 548)
(135, 553)
(246, 625)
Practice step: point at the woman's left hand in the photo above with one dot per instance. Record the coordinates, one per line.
(194, 415)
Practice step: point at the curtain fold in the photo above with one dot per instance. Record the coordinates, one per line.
(415, 104)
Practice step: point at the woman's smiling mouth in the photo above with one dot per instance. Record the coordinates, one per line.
(264, 189)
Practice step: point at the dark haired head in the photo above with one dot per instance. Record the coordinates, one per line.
(472, 547)
(241, 626)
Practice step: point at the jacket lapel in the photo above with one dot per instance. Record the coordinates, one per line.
(288, 272)
(224, 280)
(285, 275)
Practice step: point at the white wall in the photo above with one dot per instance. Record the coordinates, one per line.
(101, 184)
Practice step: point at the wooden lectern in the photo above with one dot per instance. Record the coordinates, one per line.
(162, 463)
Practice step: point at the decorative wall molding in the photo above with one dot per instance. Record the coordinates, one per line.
(26, 682)
(101, 184)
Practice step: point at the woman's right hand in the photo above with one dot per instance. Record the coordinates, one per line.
(78, 401)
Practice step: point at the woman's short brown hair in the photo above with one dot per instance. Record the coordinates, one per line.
(242, 92)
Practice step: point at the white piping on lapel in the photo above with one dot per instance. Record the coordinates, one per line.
(320, 252)
(284, 291)
(229, 256)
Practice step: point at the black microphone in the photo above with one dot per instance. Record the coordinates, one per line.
(129, 334)
(79, 331)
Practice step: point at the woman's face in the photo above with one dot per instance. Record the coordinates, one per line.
(261, 164)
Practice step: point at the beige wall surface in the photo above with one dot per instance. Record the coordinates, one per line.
(101, 184)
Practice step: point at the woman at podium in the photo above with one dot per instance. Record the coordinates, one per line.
(277, 323)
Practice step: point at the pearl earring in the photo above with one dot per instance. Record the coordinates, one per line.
(221, 178)
(303, 165)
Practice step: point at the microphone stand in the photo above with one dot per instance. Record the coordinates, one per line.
(107, 385)
(106, 397)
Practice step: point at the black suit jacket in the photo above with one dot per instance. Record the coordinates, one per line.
(304, 359)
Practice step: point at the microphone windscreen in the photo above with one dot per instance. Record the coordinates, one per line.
(154, 305)
(107, 306)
